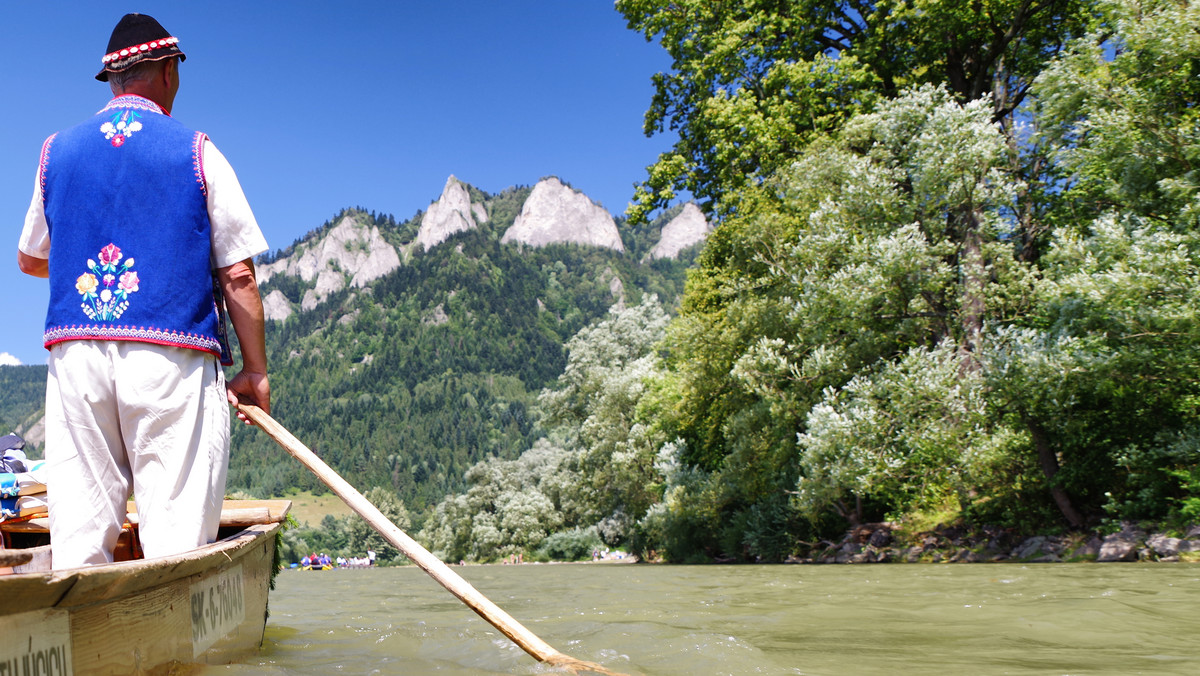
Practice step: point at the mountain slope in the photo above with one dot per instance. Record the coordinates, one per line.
(407, 380)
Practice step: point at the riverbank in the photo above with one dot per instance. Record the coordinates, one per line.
(888, 543)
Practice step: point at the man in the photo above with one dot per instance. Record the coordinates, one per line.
(131, 215)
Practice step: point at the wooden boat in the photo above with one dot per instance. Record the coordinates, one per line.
(138, 616)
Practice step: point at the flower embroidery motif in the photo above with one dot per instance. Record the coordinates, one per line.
(107, 304)
(120, 127)
(129, 280)
(109, 255)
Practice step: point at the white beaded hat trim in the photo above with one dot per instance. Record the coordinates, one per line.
(137, 49)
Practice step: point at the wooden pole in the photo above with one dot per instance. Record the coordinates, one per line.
(455, 584)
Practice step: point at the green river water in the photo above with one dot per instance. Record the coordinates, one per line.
(793, 619)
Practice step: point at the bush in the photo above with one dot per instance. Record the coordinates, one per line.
(576, 544)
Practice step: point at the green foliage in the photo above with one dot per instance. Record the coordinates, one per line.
(754, 82)
(510, 506)
(1108, 374)
(884, 239)
(577, 544)
(913, 436)
(595, 406)
(362, 536)
(599, 474)
(1161, 475)
(682, 526)
(1120, 106)
(912, 304)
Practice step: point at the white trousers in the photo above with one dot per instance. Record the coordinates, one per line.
(126, 417)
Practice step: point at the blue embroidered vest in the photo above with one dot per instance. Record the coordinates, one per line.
(126, 206)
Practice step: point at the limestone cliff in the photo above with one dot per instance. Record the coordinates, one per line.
(351, 253)
(556, 214)
(688, 228)
(451, 213)
(276, 306)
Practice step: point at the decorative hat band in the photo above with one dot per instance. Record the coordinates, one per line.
(138, 49)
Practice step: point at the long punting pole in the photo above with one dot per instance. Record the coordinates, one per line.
(455, 584)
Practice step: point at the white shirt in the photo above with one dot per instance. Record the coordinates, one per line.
(235, 234)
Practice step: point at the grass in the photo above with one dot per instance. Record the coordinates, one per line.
(914, 524)
(311, 509)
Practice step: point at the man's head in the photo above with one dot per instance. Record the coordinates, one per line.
(155, 80)
(142, 58)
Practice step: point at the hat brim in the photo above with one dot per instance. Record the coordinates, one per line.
(125, 64)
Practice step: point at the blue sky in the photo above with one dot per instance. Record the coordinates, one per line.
(325, 105)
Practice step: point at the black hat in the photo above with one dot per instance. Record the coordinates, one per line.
(137, 38)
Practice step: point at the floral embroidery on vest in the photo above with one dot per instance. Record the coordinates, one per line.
(107, 303)
(121, 127)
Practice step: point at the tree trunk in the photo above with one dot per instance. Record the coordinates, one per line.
(1049, 462)
(973, 276)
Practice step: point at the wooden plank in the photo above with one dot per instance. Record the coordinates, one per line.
(40, 562)
(14, 557)
(230, 518)
(38, 525)
(235, 514)
(19, 593)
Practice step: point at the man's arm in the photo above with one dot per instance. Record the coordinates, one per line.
(32, 265)
(246, 312)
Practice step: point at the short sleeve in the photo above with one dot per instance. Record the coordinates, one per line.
(35, 236)
(235, 232)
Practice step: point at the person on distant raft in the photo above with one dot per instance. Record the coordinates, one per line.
(142, 228)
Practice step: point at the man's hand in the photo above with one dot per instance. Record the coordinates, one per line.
(248, 387)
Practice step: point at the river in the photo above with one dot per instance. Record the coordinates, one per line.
(786, 619)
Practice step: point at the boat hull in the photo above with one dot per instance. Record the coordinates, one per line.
(152, 616)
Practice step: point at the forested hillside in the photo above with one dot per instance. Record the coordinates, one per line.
(407, 382)
(22, 398)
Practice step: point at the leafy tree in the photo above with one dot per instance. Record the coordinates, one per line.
(576, 544)
(1120, 108)
(1102, 374)
(596, 407)
(510, 506)
(859, 260)
(753, 82)
(362, 536)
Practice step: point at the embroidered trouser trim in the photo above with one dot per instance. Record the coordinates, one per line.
(126, 417)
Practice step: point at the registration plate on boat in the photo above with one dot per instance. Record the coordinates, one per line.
(218, 607)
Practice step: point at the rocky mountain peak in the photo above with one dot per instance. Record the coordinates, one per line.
(687, 228)
(353, 252)
(451, 213)
(556, 214)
